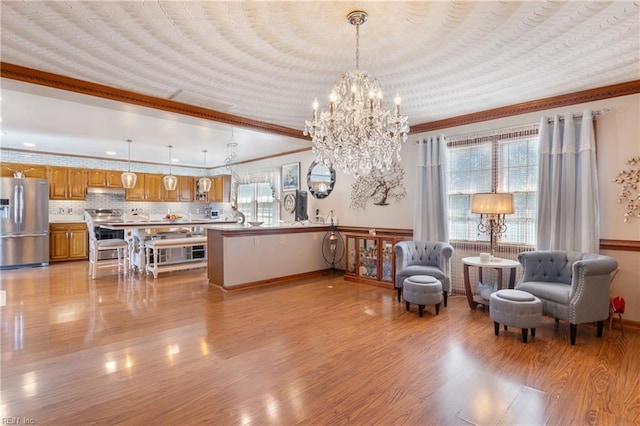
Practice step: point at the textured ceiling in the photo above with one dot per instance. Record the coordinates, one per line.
(268, 60)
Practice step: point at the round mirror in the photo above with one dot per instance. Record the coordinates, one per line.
(320, 180)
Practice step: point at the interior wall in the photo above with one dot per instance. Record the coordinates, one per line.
(618, 138)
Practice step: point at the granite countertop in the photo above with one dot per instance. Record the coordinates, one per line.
(156, 219)
(66, 218)
(281, 228)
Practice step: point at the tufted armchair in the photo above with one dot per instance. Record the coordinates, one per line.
(423, 258)
(573, 286)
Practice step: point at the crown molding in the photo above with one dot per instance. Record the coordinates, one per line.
(606, 92)
(56, 81)
(43, 78)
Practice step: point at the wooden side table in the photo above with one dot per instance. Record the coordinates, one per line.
(498, 265)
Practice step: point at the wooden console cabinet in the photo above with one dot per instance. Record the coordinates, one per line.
(369, 259)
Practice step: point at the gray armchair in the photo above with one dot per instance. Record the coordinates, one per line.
(423, 258)
(573, 286)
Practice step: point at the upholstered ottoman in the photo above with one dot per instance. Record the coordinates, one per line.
(515, 308)
(422, 290)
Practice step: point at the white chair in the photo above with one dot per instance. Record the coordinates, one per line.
(96, 246)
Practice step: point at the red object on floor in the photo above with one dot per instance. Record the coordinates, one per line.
(616, 305)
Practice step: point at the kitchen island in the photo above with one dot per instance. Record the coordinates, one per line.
(244, 256)
(179, 239)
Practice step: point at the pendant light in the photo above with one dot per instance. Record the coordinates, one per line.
(170, 181)
(204, 183)
(128, 178)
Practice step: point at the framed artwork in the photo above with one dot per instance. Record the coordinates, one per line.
(291, 177)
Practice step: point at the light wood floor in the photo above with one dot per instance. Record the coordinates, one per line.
(140, 351)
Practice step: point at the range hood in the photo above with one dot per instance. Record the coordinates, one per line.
(105, 191)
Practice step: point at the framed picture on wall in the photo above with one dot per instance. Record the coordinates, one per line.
(291, 177)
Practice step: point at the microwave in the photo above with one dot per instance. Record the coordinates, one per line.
(215, 214)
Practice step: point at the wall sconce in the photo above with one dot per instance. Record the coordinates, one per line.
(492, 208)
(170, 181)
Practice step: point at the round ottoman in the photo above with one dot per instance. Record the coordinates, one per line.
(422, 290)
(515, 308)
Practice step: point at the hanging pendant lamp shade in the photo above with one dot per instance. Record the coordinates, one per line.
(128, 178)
(170, 181)
(204, 183)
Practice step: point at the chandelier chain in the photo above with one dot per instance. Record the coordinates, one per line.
(358, 46)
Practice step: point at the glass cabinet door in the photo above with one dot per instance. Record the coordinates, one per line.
(351, 255)
(387, 260)
(368, 250)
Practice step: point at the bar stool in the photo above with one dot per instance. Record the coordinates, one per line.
(96, 246)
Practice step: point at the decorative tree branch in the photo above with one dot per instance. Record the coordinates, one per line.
(378, 186)
(630, 180)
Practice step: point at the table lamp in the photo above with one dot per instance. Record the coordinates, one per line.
(492, 208)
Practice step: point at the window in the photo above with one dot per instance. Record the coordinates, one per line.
(257, 202)
(505, 162)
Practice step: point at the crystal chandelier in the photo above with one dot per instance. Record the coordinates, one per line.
(357, 134)
(231, 152)
(231, 158)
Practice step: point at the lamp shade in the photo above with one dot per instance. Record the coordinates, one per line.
(128, 180)
(492, 203)
(205, 184)
(170, 182)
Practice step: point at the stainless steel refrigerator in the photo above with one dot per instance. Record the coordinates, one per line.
(24, 222)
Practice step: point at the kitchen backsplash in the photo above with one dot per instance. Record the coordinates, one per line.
(117, 202)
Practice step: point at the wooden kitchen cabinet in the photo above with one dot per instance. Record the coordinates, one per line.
(137, 192)
(104, 179)
(220, 189)
(153, 187)
(29, 170)
(183, 191)
(370, 259)
(148, 187)
(68, 241)
(67, 183)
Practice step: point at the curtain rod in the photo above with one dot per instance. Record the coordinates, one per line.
(522, 129)
(512, 129)
(594, 115)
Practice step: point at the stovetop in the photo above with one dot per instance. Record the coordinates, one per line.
(105, 215)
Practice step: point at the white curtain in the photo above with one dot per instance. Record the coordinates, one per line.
(270, 176)
(568, 203)
(431, 214)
